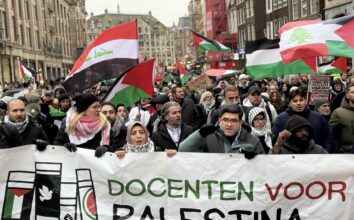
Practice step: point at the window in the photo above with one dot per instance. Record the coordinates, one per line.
(285, 3)
(295, 9)
(314, 6)
(304, 8)
(275, 4)
(280, 3)
(252, 7)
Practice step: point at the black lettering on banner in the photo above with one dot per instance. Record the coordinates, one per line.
(147, 213)
(117, 207)
(295, 215)
(183, 210)
(211, 211)
(239, 213)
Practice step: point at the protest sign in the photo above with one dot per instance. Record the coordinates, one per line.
(199, 83)
(318, 88)
(58, 184)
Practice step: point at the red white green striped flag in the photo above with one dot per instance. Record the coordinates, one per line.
(183, 75)
(110, 55)
(136, 84)
(313, 38)
(204, 44)
(264, 61)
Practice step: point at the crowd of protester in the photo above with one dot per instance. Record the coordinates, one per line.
(230, 115)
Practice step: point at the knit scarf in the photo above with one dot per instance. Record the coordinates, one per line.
(266, 133)
(147, 147)
(86, 129)
(117, 126)
(20, 126)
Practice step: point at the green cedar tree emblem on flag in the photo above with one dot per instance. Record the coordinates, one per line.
(300, 36)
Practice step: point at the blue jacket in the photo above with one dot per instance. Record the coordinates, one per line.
(322, 132)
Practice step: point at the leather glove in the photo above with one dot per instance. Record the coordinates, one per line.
(71, 147)
(207, 129)
(41, 144)
(100, 151)
(248, 152)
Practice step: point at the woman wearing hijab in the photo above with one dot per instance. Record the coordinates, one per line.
(138, 141)
(256, 118)
(85, 126)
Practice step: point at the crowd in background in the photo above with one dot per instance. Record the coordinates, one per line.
(230, 115)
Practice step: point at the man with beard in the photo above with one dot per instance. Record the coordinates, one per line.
(297, 138)
(323, 107)
(322, 132)
(118, 131)
(342, 122)
(26, 131)
(206, 103)
(172, 130)
(189, 112)
(231, 96)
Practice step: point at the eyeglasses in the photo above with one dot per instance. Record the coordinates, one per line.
(231, 121)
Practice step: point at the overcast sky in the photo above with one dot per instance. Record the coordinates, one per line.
(167, 11)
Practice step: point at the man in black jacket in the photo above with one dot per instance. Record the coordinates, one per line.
(172, 130)
(189, 112)
(25, 129)
(297, 138)
(118, 129)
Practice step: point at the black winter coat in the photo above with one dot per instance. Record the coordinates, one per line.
(163, 140)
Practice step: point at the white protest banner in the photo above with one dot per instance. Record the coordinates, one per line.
(58, 184)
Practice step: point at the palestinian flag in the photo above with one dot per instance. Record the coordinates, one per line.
(203, 44)
(313, 38)
(338, 65)
(183, 75)
(136, 84)
(264, 60)
(25, 72)
(111, 54)
(18, 195)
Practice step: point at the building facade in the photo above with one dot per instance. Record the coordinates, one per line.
(155, 39)
(277, 14)
(44, 34)
(251, 20)
(334, 8)
(182, 36)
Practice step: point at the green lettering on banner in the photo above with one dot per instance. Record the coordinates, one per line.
(195, 191)
(224, 191)
(210, 190)
(143, 188)
(150, 184)
(170, 188)
(111, 187)
(241, 189)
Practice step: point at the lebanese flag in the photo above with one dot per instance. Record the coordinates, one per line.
(203, 44)
(338, 65)
(264, 61)
(111, 54)
(25, 72)
(136, 84)
(313, 38)
(183, 75)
